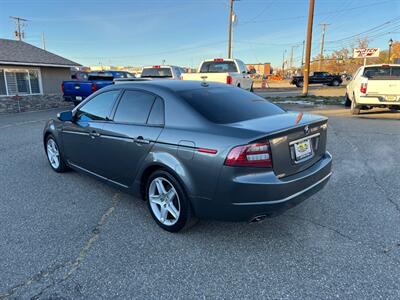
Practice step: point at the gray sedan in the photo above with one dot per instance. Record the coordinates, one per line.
(193, 150)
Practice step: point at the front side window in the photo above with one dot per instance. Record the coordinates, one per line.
(98, 108)
(134, 107)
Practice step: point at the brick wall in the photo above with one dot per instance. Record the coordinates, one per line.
(31, 103)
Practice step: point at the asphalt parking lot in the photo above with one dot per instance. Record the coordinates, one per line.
(66, 236)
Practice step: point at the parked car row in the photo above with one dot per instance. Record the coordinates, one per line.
(229, 71)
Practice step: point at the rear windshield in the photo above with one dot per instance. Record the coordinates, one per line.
(157, 72)
(100, 77)
(218, 67)
(382, 72)
(229, 105)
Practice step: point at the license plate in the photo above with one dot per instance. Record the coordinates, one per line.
(78, 97)
(391, 98)
(302, 149)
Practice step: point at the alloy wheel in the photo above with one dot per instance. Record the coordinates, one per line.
(164, 201)
(53, 154)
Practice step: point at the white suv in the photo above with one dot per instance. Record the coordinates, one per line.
(374, 86)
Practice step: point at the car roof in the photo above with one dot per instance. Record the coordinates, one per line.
(161, 66)
(380, 65)
(173, 85)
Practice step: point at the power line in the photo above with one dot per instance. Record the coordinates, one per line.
(379, 27)
(333, 12)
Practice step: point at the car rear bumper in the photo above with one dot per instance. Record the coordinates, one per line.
(74, 98)
(244, 197)
(378, 100)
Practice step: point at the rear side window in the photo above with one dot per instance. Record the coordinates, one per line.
(229, 105)
(157, 72)
(156, 116)
(382, 72)
(218, 67)
(99, 107)
(134, 107)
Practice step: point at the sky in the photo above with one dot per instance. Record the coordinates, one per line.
(184, 32)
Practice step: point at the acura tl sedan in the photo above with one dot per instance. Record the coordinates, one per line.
(193, 150)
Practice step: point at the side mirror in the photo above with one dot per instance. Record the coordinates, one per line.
(65, 116)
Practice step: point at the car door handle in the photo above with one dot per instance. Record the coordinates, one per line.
(94, 134)
(141, 140)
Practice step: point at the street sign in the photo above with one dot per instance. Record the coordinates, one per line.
(365, 52)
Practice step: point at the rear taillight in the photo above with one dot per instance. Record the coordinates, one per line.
(229, 80)
(94, 87)
(62, 87)
(252, 155)
(363, 88)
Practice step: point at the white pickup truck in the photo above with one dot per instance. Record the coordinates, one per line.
(229, 71)
(374, 86)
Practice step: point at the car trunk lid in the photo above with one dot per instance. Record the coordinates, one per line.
(296, 140)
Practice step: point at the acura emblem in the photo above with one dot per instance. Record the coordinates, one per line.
(306, 130)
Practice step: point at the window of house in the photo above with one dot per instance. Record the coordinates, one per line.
(19, 82)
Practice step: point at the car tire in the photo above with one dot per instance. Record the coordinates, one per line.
(300, 84)
(168, 203)
(335, 82)
(354, 108)
(54, 156)
(347, 102)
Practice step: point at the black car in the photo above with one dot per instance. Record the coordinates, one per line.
(193, 149)
(318, 78)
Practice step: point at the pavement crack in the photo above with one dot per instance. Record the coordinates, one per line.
(373, 173)
(325, 227)
(71, 266)
(21, 123)
(377, 249)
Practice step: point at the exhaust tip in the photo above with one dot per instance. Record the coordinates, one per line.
(258, 219)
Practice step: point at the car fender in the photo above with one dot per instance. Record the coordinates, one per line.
(169, 162)
(52, 127)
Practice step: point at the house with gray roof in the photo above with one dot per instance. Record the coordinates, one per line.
(29, 70)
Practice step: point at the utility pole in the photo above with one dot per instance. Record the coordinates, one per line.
(230, 29)
(302, 54)
(308, 47)
(18, 22)
(321, 53)
(43, 41)
(283, 64)
(291, 56)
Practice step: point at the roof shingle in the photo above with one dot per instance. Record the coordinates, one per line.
(21, 53)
